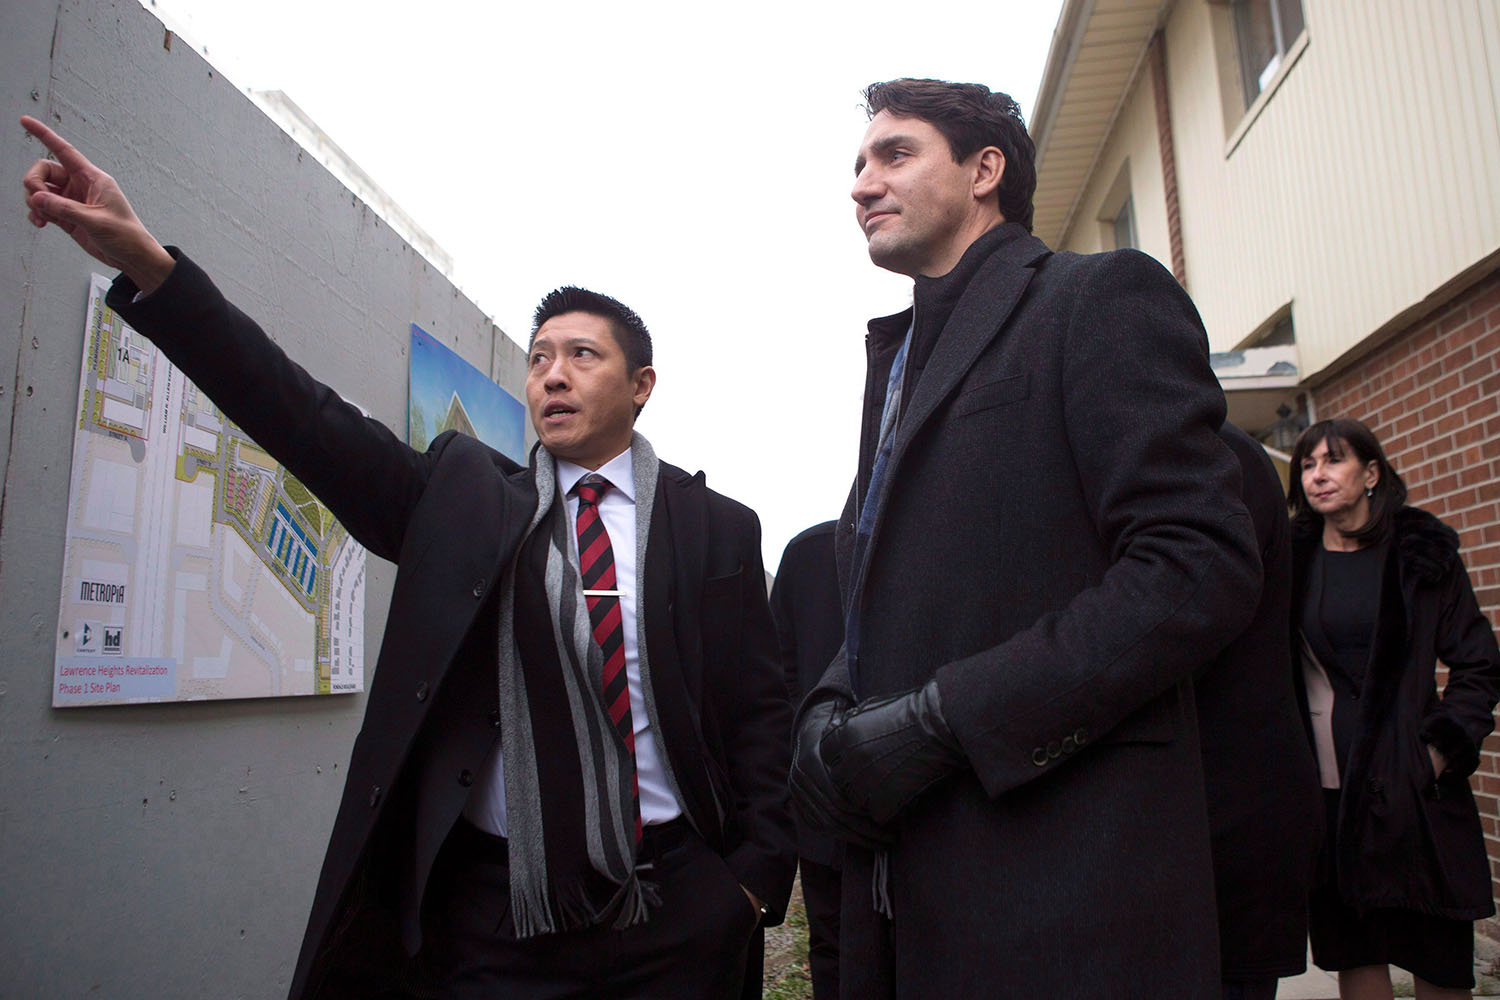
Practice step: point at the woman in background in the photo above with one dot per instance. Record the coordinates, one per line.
(1382, 595)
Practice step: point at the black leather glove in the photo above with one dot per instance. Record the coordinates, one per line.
(885, 752)
(816, 797)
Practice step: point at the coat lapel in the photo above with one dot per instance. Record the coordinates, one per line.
(980, 315)
(677, 539)
(676, 562)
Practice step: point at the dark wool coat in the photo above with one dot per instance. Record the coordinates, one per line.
(809, 615)
(1264, 808)
(1404, 839)
(1063, 545)
(451, 518)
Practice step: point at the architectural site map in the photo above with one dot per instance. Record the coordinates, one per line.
(196, 567)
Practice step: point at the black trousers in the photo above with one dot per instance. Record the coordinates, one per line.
(821, 890)
(693, 945)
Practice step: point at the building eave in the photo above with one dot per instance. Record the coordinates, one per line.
(1098, 49)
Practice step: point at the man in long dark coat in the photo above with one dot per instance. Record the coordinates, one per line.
(1044, 540)
(535, 807)
(1265, 812)
(809, 615)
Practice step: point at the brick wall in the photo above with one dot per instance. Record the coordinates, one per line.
(1432, 397)
(1157, 54)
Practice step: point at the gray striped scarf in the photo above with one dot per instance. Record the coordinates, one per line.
(544, 901)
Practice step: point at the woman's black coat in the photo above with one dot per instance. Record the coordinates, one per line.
(1404, 839)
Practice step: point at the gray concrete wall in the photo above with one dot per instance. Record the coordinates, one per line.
(171, 850)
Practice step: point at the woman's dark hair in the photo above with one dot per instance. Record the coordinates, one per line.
(1389, 492)
(970, 116)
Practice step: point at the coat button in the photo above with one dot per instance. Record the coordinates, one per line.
(479, 588)
(1054, 749)
(374, 796)
(422, 691)
(494, 718)
(1039, 756)
(1375, 786)
(1069, 744)
(466, 777)
(1080, 737)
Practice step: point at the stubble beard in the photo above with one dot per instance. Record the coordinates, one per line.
(893, 255)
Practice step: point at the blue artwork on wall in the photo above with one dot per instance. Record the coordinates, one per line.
(445, 392)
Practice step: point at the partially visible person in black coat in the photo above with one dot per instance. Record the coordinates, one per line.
(810, 625)
(1380, 596)
(1264, 813)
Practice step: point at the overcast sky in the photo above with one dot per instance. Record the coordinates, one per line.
(691, 159)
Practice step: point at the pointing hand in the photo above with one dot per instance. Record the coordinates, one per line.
(86, 203)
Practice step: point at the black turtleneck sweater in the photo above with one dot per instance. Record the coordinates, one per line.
(935, 299)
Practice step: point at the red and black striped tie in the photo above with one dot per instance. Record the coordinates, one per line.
(596, 561)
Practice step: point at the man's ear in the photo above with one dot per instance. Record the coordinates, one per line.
(989, 167)
(644, 381)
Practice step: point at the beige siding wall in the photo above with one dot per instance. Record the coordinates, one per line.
(1367, 181)
(1133, 141)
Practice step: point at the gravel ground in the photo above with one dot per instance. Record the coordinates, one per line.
(787, 975)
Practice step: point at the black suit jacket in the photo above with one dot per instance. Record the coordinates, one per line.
(1063, 544)
(451, 518)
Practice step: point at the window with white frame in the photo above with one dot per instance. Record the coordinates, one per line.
(1116, 213)
(1264, 31)
(1124, 225)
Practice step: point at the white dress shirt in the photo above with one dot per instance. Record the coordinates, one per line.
(485, 807)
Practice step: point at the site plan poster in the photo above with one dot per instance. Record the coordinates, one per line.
(196, 567)
(448, 393)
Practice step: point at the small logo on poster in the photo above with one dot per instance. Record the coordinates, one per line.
(87, 638)
(114, 643)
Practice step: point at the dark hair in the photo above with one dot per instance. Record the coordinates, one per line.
(970, 116)
(1389, 491)
(628, 329)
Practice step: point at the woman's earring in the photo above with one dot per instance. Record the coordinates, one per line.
(1369, 491)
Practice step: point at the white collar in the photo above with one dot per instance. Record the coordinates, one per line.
(620, 471)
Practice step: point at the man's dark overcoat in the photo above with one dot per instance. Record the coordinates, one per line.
(1062, 544)
(1264, 809)
(451, 518)
(1403, 839)
(809, 616)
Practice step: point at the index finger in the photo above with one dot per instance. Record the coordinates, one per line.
(59, 147)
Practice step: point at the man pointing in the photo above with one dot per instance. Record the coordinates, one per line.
(571, 776)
